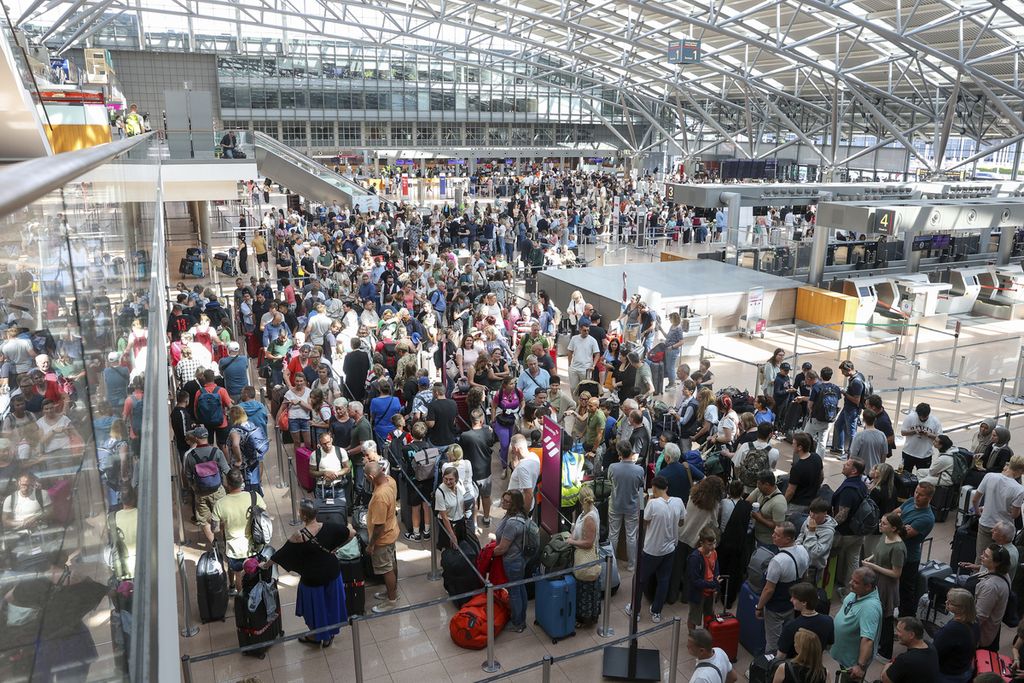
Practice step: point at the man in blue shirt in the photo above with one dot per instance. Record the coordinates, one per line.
(918, 521)
(235, 370)
(680, 476)
(532, 378)
(853, 399)
(367, 290)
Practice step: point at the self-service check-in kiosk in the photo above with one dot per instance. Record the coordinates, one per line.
(964, 289)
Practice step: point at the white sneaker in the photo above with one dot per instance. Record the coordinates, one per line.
(628, 609)
(656, 617)
(382, 595)
(385, 606)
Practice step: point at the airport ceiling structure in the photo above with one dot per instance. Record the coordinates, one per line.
(812, 72)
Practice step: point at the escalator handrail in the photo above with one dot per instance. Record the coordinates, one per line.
(263, 140)
(24, 182)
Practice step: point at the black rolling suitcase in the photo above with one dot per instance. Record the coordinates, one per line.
(964, 545)
(354, 575)
(211, 587)
(256, 623)
(331, 506)
(457, 574)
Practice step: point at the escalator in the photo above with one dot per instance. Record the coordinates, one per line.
(301, 174)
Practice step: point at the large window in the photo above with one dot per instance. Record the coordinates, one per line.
(321, 134)
(292, 99)
(268, 127)
(426, 134)
(378, 134)
(521, 135)
(264, 99)
(401, 134)
(451, 135)
(294, 133)
(475, 134)
(350, 135)
(497, 135)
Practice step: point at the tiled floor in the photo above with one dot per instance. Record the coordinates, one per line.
(415, 646)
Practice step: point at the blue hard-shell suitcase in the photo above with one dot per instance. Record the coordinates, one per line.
(556, 607)
(751, 628)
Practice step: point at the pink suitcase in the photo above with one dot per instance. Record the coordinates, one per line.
(305, 479)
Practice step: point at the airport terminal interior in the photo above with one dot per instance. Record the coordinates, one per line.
(527, 341)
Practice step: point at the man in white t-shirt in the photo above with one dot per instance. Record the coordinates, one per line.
(920, 427)
(999, 498)
(27, 507)
(329, 464)
(525, 469)
(583, 353)
(713, 664)
(663, 517)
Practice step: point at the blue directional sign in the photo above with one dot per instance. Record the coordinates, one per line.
(684, 52)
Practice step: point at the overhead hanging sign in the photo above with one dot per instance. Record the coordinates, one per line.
(684, 52)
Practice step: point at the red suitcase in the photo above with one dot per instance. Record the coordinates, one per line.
(725, 631)
(987, 661)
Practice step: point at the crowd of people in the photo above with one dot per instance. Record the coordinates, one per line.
(378, 337)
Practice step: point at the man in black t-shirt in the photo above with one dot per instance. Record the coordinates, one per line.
(477, 445)
(804, 597)
(441, 415)
(919, 663)
(805, 476)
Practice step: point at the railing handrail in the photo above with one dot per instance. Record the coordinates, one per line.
(586, 651)
(24, 182)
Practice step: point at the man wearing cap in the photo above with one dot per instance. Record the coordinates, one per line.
(115, 381)
(782, 388)
(424, 395)
(234, 368)
(207, 485)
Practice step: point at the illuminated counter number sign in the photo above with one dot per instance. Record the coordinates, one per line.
(684, 52)
(885, 221)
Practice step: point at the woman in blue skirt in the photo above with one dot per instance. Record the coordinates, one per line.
(310, 554)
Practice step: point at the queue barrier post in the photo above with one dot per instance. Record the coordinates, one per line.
(673, 667)
(357, 650)
(959, 379)
(280, 460)
(605, 630)
(899, 400)
(188, 629)
(435, 573)
(842, 332)
(895, 354)
(491, 665)
(956, 343)
(999, 401)
(913, 385)
(293, 485)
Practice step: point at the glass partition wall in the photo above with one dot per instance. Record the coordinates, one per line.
(78, 295)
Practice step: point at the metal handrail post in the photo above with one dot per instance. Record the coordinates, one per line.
(917, 335)
(959, 379)
(186, 668)
(280, 459)
(842, 332)
(435, 573)
(546, 673)
(1017, 376)
(796, 345)
(605, 630)
(956, 343)
(491, 665)
(895, 353)
(849, 351)
(1002, 392)
(188, 629)
(293, 484)
(673, 666)
(913, 385)
(357, 653)
(176, 485)
(899, 400)
(1006, 420)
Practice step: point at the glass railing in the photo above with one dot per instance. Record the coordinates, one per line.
(79, 411)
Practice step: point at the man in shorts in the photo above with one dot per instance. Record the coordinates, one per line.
(382, 526)
(206, 490)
